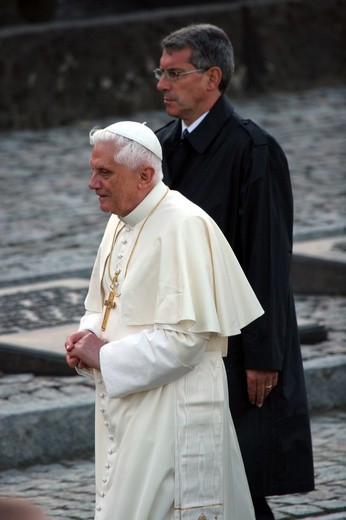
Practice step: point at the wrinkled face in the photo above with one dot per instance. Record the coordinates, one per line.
(188, 97)
(114, 184)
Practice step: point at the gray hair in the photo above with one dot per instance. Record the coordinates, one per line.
(129, 153)
(210, 46)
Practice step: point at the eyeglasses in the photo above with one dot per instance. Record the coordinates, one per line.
(173, 75)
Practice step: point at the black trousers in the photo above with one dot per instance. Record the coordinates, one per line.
(262, 509)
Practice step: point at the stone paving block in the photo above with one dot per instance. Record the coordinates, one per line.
(35, 320)
(33, 306)
(328, 247)
(333, 504)
(319, 266)
(300, 510)
(311, 333)
(45, 433)
(280, 516)
(330, 516)
(325, 381)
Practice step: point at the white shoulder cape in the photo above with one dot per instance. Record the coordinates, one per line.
(182, 270)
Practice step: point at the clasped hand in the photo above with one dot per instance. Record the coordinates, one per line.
(83, 350)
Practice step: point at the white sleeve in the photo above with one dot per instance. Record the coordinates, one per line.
(90, 321)
(149, 359)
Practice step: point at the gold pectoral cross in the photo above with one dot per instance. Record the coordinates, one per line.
(110, 304)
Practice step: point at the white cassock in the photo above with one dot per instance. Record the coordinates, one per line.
(165, 443)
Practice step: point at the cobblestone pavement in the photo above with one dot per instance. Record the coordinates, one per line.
(50, 224)
(66, 490)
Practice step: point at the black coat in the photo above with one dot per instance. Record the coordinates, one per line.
(239, 175)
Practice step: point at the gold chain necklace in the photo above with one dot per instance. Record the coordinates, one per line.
(109, 257)
(109, 302)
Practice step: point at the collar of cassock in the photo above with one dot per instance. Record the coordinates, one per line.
(143, 209)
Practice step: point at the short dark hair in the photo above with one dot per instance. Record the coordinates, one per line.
(210, 46)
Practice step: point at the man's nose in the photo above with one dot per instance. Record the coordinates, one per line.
(162, 84)
(94, 182)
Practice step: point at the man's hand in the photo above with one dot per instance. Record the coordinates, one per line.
(71, 359)
(259, 385)
(83, 350)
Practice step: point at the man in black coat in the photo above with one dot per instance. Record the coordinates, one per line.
(238, 173)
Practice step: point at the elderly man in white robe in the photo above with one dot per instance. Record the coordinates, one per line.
(165, 293)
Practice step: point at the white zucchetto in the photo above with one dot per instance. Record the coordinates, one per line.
(139, 133)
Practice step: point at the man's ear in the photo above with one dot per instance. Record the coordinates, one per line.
(146, 175)
(214, 78)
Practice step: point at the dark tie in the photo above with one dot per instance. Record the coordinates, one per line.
(178, 157)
